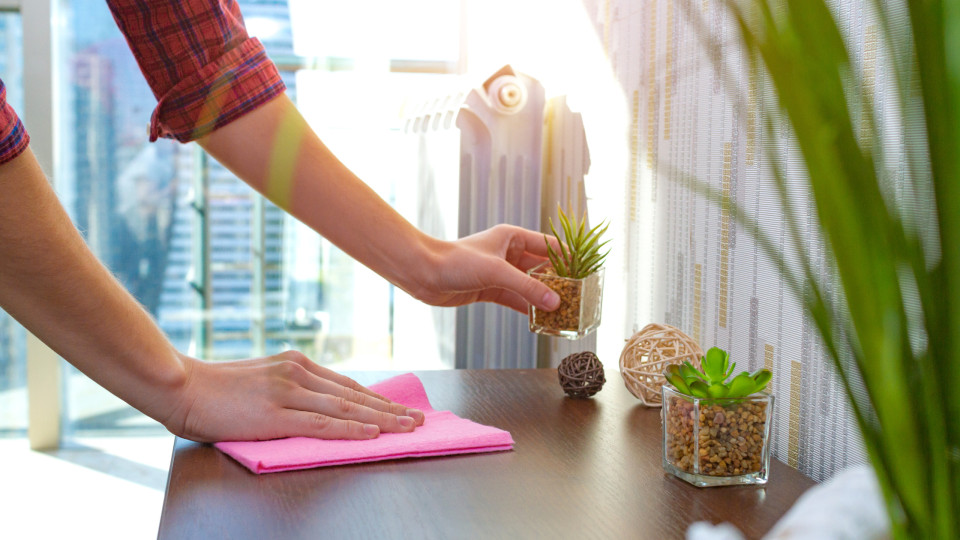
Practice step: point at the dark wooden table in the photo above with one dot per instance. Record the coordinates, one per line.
(579, 469)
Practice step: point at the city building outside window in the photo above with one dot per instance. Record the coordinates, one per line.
(225, 273)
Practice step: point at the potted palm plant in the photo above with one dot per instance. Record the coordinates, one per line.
(575, 272)
(716, 432)
(889, 313)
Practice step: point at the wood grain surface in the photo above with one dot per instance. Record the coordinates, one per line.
(581, 468)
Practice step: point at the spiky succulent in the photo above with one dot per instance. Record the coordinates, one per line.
(579, 248)
(709, 382)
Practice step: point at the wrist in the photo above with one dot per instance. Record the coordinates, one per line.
(178, 398)
(421, 267)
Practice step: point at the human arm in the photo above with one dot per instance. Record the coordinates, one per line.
(274, 150)
(54, 285)
(216, 85)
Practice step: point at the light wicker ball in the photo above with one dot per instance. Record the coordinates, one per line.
(648, 352)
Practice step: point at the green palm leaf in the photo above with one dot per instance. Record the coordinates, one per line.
(907, 358)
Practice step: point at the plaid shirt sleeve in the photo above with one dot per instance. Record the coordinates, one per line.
(204, 69)
(13, 136)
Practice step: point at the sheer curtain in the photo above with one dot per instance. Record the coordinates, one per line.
(686, 263)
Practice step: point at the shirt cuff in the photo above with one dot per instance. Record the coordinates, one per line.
(13, 136)
(222, 91)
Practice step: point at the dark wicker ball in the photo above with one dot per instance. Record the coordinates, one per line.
(581, 374)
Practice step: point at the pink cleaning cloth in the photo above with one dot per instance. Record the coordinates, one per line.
(442, 433)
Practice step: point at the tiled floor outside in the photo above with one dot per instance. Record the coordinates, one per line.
(103, 487)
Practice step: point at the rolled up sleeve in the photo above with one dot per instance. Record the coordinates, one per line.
(203, 68)
(13, 136)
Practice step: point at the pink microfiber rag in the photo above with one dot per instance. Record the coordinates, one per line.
(442, 433)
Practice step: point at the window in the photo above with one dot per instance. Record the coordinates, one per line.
(225, 273)
(293, 289)
(367, 60)
(13, 377)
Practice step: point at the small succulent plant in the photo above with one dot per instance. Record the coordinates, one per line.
(580, 248)
(710, 382)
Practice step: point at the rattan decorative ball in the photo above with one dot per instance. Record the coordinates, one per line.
(581, 374)
(648, 352)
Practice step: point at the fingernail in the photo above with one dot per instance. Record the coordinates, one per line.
(406, 421)
(551, 300)
(371, 430)
(415, 414)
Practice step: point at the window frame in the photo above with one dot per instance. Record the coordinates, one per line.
(41, 113)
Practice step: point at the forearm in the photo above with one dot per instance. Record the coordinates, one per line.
(56, 288)
(275, 151)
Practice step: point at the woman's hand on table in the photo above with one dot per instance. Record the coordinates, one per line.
(285, 395)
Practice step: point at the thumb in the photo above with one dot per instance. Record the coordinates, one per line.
(531, 289)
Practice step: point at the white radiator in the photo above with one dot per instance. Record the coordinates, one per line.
(499, 153)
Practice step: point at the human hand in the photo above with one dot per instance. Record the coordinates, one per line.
(285, 395)
(490, 266)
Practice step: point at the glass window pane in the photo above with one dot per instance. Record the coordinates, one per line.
(11, 58)
(418, 30)
(274, 284)
(121, 191)
(329, 306)
(13, 378)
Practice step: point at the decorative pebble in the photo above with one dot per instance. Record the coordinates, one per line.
(722, 451)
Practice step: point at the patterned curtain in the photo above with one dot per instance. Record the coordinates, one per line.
(700, 111)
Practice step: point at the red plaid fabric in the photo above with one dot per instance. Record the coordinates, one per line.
(13, 136)
(197, 57)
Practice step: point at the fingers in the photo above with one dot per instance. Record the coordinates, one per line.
(528, 261)
(326, 381)
(506, 298)
(526, 249)
(344, 381)
(344, 402)
(345, 392)
(280, 396)
(319, 426)
(527, 240)
(529, 289)
(341, 408)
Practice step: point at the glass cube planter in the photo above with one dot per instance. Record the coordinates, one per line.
(580, 304)
(716, 442)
